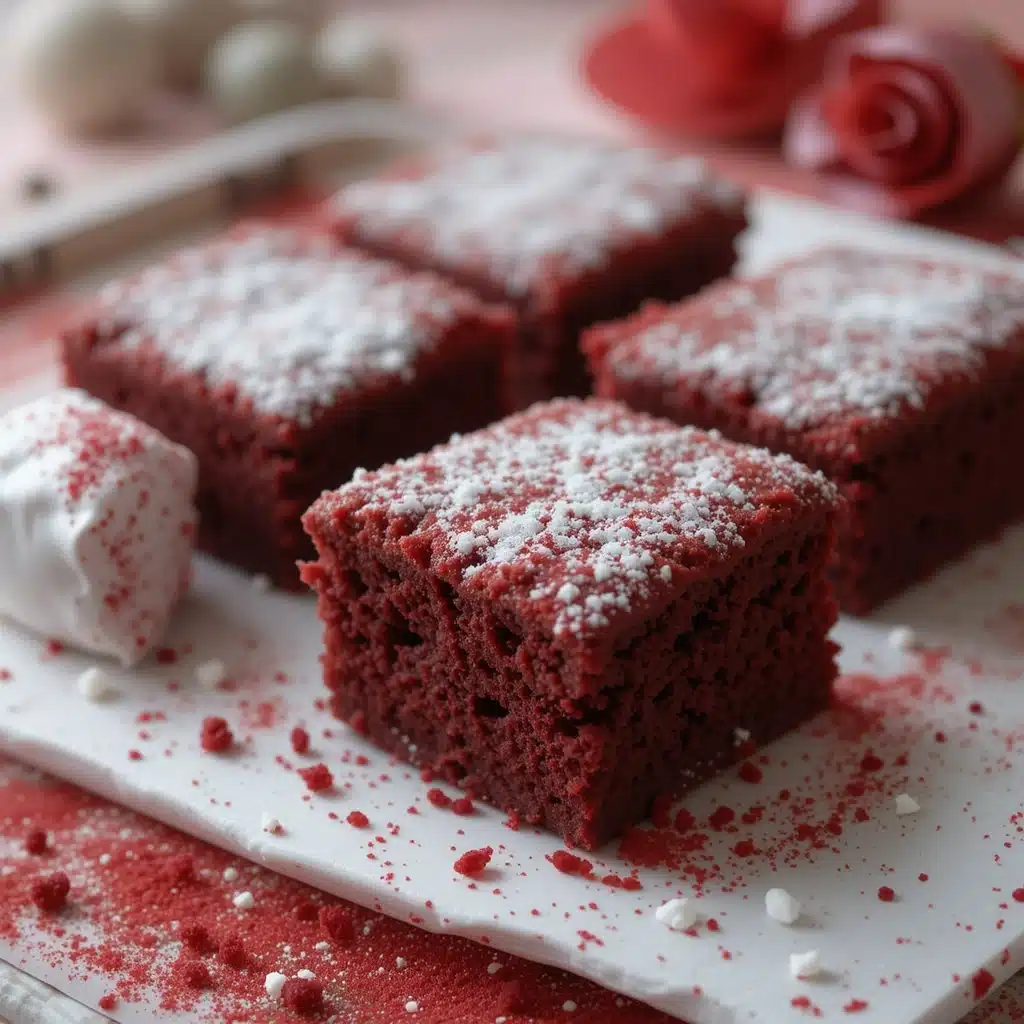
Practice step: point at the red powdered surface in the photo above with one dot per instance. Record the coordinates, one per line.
(215, 737)
(134, 919)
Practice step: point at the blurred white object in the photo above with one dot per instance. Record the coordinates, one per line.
(185, 32)
(259, 68)
(354, 59)
(88, 64)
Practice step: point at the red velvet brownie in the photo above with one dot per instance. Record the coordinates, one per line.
(285, 362)
(574, 610)
(901, 379)
(568, 231)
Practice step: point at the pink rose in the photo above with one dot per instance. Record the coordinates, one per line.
(907, 119)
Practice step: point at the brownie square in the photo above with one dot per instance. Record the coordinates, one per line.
(576, 609)
(285, 362)
(899, 378)
(568, 231)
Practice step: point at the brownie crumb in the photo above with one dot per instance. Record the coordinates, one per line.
(303, 996)
(474, 862)
(216, 736)
(35, 842)
(50, 894)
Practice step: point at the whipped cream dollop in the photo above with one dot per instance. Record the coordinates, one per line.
(97, 525)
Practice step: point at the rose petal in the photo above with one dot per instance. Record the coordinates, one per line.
(894, 124)
(983, 110)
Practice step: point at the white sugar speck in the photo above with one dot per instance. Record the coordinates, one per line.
(268, 823)
(305, 974)
(210, 674)
(678, 914)
(273, 983)
(569, 1006)
(322, 947)
(244, 900)
(230, 875)
(805, 965)
(902, 638)
(906, 804)
(493, 967)
(412, 1006)
(105, 859)
(95, 685)
(740, 736)
(781, 906)
(400, 962)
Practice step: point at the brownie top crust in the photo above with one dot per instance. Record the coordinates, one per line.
(531, 207)
(287, 319)
(578, 512)
(838, 337)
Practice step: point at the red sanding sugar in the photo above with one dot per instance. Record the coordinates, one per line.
(317, 778)
(474, 862)
(215, 736)
(357, 819)
(35, 842)
(337, 924)
(885, 894)
(50, 894)
(300, 740)
(303, 996)
(570, 864)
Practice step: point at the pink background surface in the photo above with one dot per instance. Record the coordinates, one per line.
(495, 62)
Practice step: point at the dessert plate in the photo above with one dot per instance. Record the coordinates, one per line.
(915, 916)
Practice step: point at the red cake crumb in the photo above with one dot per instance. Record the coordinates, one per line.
(750, 772)
(318, 778)
(660, 810)
(855, 1006)
(975, 707)
(474, 862)
(35, 842)
(722, 816)
(166, 656)
(462, 806)
(216, 736)
(50, 894)
(1018, 895)
(196, 975)
(307, 911)
(300, 740)
(684, 820)
(337, 924)
(439, 798)
(981, 983)
(357, 819)
(197, 938)
(886, 894)
(107, 1002)
(570, 864)
(232, 952)
(303, 996)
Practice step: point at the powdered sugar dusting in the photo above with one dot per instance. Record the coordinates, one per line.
(533, 205)
(841, 332)
(288, 318)
(584, 507)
